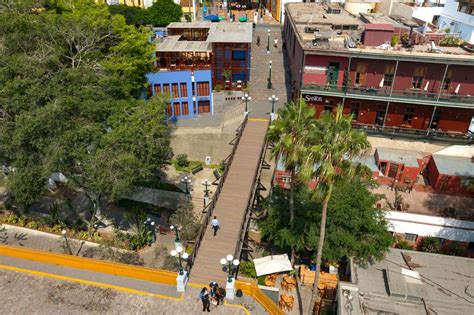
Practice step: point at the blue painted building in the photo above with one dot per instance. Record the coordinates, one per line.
(190, 91)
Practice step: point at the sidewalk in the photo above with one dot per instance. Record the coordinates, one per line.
(32, 287)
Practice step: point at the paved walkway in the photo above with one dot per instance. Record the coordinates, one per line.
(260, 106)
(231, 206)
(32, 287)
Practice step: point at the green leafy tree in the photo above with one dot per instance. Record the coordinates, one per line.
(163, 12)
(133, 15)
(185, 218)
(290, 133)
(355, 226)
(70, 83)
(334, 145)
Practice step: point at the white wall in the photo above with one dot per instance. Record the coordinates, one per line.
(462, 23)
(425, 225)
(426, 14)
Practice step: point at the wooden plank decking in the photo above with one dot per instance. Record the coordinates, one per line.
(231, 205)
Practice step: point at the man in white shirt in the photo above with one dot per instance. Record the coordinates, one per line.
(215, 225)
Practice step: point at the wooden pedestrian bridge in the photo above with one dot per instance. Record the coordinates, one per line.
(232, 203)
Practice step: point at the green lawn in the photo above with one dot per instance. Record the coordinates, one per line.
(189, 168)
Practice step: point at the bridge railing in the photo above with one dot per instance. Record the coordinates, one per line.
(208, 210)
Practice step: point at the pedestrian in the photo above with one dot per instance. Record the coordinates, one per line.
(220, 294)
(258, 41)
(276, 43)
(204, 296)
(215, 225)
(213, 287)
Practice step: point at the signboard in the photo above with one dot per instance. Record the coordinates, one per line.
(313, 98)
(314, 69)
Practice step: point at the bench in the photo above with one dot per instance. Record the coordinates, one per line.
(197, 169)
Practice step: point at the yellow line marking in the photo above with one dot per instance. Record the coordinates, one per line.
(104, 285)
(239, 306)
(259, 119)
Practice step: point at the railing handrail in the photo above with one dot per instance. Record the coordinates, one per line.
(210, 207)
(385, 91)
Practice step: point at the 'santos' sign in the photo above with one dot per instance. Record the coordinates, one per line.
(313, 98)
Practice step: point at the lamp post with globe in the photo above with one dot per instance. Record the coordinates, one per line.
(231, 264)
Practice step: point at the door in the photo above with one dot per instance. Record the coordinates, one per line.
(392, 172)
(379, 118)
(204, 107)
(332, 74)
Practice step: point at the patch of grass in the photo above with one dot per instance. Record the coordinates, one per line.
(189, 168)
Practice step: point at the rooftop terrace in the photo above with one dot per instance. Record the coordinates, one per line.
(329, 28)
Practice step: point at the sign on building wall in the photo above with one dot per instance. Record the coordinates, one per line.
(315, 69)
(313, 98)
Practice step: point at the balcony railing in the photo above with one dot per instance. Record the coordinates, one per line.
(418, 94)
(445, 136)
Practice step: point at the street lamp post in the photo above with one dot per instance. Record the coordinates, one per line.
(64, 234)
(246, 98)
(150, 225)
(205, 182)
(269, 84)
(268, 41)
(272, 99)
(231, 265)
(177, 253)
(186, 180)
(182, 278)
(177, 240)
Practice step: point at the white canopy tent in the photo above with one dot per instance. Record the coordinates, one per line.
(272, 264)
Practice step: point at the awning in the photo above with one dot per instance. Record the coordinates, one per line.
(272, 264)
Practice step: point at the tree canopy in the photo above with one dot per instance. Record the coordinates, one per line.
(69, 102)
(355, 226)
(161, 13)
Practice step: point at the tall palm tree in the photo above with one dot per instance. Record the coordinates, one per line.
(289, 134)
(334, 144)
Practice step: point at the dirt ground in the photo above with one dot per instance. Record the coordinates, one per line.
(30, 294)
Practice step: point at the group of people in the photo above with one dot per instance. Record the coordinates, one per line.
(214, 295)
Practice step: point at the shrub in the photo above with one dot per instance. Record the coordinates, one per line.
(450, 41)
(247, 269)
(401, 244)
(261, 280)
(35, 225)
(394, 40)
(430, 244)
(453, 249)
(182, 160)
(218, 87)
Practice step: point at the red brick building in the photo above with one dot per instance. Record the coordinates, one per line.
(414, 88)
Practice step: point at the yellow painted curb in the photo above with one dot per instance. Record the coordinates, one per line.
(97, 284)
(259, 119)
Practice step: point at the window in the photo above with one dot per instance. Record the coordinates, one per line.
(239, 55)
(166, 89)
(407, 118)
(328, 109)
(470, 246)
(157, 89)
(361, 73)
(174, 87)
(185, 108)
(388, 75)
(411, 237)
(168, 111)
(203, 88)
(177, 111)
(448, 79)
(184, 90)
(355, 110)
(238, 76)
(418, 77)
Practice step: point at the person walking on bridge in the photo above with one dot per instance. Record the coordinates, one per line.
(215, 225)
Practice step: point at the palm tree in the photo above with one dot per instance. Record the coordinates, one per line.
(289, 134)
(334, 144)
